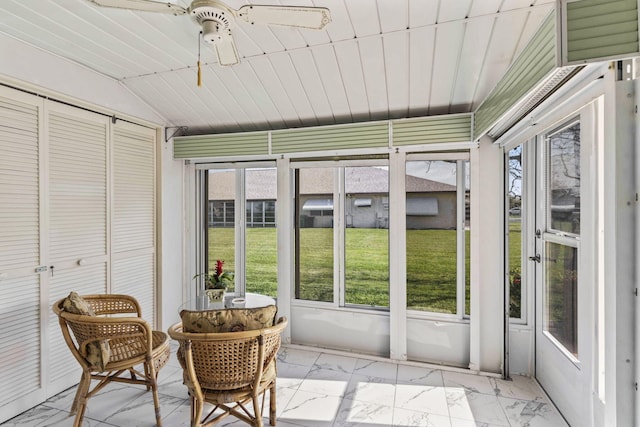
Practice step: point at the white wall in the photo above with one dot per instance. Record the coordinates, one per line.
(172, 226)
(520, 350)
(358, 331)
(487, 295)
(620, 256)
(438, 341)
(26, 64)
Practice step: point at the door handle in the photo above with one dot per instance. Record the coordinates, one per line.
(535, 258)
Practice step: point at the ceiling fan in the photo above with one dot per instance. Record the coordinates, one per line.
(217, 20)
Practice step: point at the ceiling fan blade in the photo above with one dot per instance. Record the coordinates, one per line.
(293, 16)
(143, 5)
(226, 50)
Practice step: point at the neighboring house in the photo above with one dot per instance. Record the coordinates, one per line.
(430, 204)
(261, 198)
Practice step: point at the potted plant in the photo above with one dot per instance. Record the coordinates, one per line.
(216, 282)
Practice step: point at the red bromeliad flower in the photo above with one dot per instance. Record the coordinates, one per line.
(219, 265)
(217, 278)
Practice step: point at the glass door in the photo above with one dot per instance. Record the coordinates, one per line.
(564, 308)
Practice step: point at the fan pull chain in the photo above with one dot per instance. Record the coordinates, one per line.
(199, 70)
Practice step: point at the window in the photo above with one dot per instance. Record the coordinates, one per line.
(342, 238)
(250, 250)
(561, 294)
(437, 233)
(366, 237)
(561, 237)
(563, 165)
(362, 203)
(513, 182)
(221, 241)
(221, 213)
(421, 205)
(314, 234)
(261, 213)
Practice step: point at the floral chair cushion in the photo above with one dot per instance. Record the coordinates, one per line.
(98, 352)
(229, 319)
(75, 304)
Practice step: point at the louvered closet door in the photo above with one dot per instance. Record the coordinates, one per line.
(20, 296)
(77, 220)
(134, 215)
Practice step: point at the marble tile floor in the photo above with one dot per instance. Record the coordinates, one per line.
(321, 389)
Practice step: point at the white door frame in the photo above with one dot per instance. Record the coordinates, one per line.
(566, 377)
(588, 92)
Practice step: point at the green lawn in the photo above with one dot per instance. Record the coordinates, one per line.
(431, 277)
(431, 270)
(515, 268)
(261, 272)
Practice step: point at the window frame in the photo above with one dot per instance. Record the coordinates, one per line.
(527, 179)
(556, 236)
(240, 226)
(462, 160)
(285, 169)
(339, 225)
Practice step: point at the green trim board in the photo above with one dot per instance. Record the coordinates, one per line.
(329, 138)
(434, 129)
(367, 135)
(601, 29)
(536, 61)
(582, 31)
(221, 145)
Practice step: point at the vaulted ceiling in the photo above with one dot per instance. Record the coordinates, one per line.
(377, 59)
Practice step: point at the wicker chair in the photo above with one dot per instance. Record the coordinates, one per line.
(229, 370)
(130, 341)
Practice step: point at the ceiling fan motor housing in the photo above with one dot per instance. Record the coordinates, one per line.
(214, 22)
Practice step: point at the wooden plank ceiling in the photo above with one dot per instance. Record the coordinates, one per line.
(377, 59)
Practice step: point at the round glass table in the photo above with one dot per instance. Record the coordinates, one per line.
(249, 300)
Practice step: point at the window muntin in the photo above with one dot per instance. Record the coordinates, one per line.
(437, 236)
